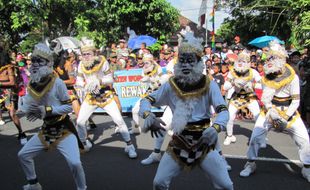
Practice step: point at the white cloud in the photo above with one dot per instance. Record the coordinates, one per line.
(190, 10)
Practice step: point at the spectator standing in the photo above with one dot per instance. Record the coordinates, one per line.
(207, 51)
(122, 51)
(218, 77)
(114, 66)
(167, 57)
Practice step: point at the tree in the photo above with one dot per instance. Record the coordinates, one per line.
(112, 17)
(286, 19)
(103, 20)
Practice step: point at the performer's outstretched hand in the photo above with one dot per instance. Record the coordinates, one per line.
(36, 112)
(93, 86)
(32, 116)
(209, 137)
(156, 128)
(278, 121)
(154, 125)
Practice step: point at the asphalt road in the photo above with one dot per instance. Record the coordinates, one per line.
(107, 167)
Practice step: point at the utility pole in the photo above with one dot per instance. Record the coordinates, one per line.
(206, 22)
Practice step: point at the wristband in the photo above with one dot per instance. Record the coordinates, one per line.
(286, 117)
(48, 110)
(217, 127)
(146, 114)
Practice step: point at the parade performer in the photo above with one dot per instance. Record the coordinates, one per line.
(281, 97)
(242, 79)
(96, 78)
(9, 83)
(189, 94)
(153, 78)
(47, 99)
(64, 69)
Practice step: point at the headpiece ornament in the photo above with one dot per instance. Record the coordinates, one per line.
(276, 50)
(43, 51)
(189, 43)
(87, 45)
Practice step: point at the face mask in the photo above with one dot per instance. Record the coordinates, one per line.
(21, 64)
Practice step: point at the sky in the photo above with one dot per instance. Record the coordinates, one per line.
(190, 9)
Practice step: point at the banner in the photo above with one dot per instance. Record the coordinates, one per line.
(129, 89)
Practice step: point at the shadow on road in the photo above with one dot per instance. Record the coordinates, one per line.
(107, 167)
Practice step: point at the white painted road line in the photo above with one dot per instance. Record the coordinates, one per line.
(298, 162)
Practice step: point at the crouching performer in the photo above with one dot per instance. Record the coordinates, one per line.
(243, 80)
(281, 97)
(189, 94)
(95, 77)
(48, 99)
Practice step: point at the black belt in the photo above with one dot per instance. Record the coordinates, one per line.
(281, 101)
(58, 123)
(200, 122)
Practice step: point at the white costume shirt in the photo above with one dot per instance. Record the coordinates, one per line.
(231, 81)
(103, 74)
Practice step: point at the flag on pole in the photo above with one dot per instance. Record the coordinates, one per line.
(213, 27)
(202, 12)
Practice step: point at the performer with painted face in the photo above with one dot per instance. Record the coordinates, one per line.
(47, 99)
(189, 94)
(153, 78)
(242, 79)
(96, 78)
(281, 97)
(64, 69)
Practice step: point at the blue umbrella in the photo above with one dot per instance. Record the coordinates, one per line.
(131, 42)
(136, 42)
(263, 41)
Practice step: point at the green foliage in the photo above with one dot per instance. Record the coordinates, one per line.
(103, 20)
(301, 23)
(225, 31)
(287, 19)
(28, 44)
(158, 45)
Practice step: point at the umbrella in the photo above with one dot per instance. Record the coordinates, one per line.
(136, 42)
(263, 41)
(65, 42)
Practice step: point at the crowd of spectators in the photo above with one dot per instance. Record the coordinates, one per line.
(217, 61)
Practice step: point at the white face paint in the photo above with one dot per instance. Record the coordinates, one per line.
(88, 58)
(241, 66)
(273, 65)
(188, 70)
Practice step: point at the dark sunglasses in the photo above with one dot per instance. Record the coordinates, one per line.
(38, 61)
(87, 54)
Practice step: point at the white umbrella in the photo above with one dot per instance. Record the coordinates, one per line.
(66, 42)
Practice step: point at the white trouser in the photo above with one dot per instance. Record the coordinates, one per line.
(297, 131)
(135, 113)
(213, 165)
(68, 147)
(167, 119)
(111, 109)
(253, 107)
